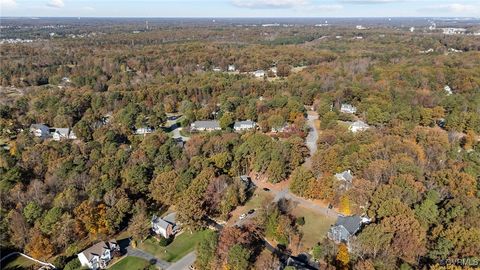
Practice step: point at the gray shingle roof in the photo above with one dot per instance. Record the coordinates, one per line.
(345, 175)
(208, 124)
(351, 223)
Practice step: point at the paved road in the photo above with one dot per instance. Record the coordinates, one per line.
(312, 137)
(147, 256)
(185, 262)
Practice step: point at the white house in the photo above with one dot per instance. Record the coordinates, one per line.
(143, 130)
(244, 125)
(59, 134)
(165, 226)
(205, 125)
(99, 255)
(358, 126)
(231, 68)
(259, 73)
(40, 130)
(217, 69)
(273, 70)
(448, 90)
(347, 108)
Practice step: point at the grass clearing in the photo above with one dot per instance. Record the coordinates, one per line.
(258, 199)
(17, 263)
(315, 228)
(130, 263)
(181, 246)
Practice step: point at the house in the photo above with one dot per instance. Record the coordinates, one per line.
(143, 130)
(247, 182)
(205, 125)
(347, 108)
(259, 73)
(344, 176)
(280, 129)
(165, 226)
(448, 90)
(358, 126)
(179, 141)
(273, 70)
(231, 68)
(346, 227)
(40, 130)
(59, 134)
(244, 125)
(99, 255)
(217, 69)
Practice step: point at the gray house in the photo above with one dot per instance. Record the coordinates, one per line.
(345, 228)
(344, 176)
(59, 134)
(247, 182)
(165, 226)
(205, 125)
(40, 130)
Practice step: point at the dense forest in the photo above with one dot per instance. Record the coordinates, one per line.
(416, 169)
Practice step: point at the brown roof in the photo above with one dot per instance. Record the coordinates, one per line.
(97, 249)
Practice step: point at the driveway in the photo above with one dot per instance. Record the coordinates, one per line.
(312, 136)
(147, 256)
(184, 263)
(173, 125)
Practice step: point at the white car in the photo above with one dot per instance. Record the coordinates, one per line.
(242, 216)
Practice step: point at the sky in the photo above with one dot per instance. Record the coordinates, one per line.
(240, 8)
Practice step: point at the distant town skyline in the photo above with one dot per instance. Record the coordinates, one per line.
(240, 8)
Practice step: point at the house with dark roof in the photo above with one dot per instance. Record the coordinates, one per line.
(165, 226)
(40, 130)
(99, 255)
(345, 228)
(205, 125)
(247, 182)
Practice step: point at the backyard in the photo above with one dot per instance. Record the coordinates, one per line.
(181, 246)
(315, 228)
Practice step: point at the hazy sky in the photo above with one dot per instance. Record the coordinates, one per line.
(241, 8)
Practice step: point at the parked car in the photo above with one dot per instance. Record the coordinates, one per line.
(242, 216)
(251, 211)
(266, 189)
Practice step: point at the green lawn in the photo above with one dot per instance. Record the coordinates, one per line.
(17, 263)
(130, 263)
(315, 228)
(181, 246)
(259, 199)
